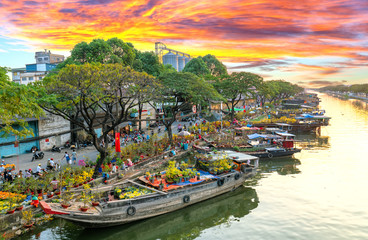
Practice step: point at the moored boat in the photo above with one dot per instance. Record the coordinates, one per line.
(183, 194)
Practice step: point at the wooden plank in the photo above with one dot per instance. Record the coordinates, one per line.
(152, 189)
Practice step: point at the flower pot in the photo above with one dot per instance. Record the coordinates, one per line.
(10, 211)
(57, 193)
(95, 204)
(84, 209)
(45, 196)
(20, 208)
(28, 225)
(50, 196)
(65, 205)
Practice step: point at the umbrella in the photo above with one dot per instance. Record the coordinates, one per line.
(184, 133)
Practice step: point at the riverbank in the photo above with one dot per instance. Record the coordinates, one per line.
(12, 224)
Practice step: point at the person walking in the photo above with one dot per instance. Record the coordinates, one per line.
(74, 157)
(67, 158)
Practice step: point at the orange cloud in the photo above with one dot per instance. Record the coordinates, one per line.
(234, 31)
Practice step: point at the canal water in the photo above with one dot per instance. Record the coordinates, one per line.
(320, 193)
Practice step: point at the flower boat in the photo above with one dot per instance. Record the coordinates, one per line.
(156, 202)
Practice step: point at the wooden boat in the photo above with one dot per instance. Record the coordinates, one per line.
(117, 212)
(272, 152)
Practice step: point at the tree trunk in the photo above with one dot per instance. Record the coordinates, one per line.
(169, 133)
(99, 163)
(102, 152)
(140, 106)
(232, 112)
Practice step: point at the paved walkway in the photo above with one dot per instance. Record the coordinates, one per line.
(23, 162)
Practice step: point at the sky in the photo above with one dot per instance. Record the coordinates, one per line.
(312, 43)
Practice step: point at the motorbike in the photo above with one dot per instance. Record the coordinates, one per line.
(37, 155)
(55, 149)
(67, 144)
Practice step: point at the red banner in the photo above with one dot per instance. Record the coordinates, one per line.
(117, 142)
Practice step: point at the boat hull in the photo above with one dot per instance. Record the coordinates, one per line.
(272, 154)
(120, 212)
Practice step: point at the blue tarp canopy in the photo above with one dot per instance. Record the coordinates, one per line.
(305, 116)
(256, 135)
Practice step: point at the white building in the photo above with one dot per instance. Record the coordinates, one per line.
(45, 62)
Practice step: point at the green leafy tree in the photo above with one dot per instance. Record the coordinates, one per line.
(17, 102)
(144, 86)
(236, 87)
(178, 91)
(197, 66)
(215, 67)
(91, 96)
(148, 62)
(113, 50)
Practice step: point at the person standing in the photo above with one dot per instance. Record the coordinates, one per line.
(67, 158)
(54, 183)
(74, 156)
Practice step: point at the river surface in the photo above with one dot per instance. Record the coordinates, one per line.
(320, 193)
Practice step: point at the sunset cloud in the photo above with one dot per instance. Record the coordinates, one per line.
(256, 35)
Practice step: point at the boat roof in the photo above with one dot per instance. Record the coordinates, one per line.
(285, 134)
(274, 129)
(240, 157)
(256, 135)
(274, 149)
(283, 124)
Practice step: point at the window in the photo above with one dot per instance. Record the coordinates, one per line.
(24, 79)
(30, 78)
(39, 78)
(46, 59)
(40, 59)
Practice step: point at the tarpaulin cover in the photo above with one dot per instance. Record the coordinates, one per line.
(256, 135)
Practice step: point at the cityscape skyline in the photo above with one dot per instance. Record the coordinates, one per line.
(311, 43)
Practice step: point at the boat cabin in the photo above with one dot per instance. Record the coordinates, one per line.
(243, 160)
(287, 139)
(285, 126)
(261, 140)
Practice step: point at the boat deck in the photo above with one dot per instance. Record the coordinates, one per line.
(56, 208)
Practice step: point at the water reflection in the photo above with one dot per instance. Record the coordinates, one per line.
(283, 166)
(312, 141)
(186, 223)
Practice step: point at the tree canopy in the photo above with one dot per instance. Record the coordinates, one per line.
(148, 62)
(276, 90)
(93, 96)
(236, 86)
(178, 91)
(17, 102)
(215, 67)
(197, 66)
(113, 50)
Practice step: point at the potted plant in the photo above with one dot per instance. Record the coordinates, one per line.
(66, 197)
(27, 217)
(161, 186)
(85, 197)
(19, 199)
(186, 175)
(152, 179)
(148, 175)
(11, 205)
(50, 192)
(96, 199)
(176, 180)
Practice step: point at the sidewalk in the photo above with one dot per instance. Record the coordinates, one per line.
(24, 161)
